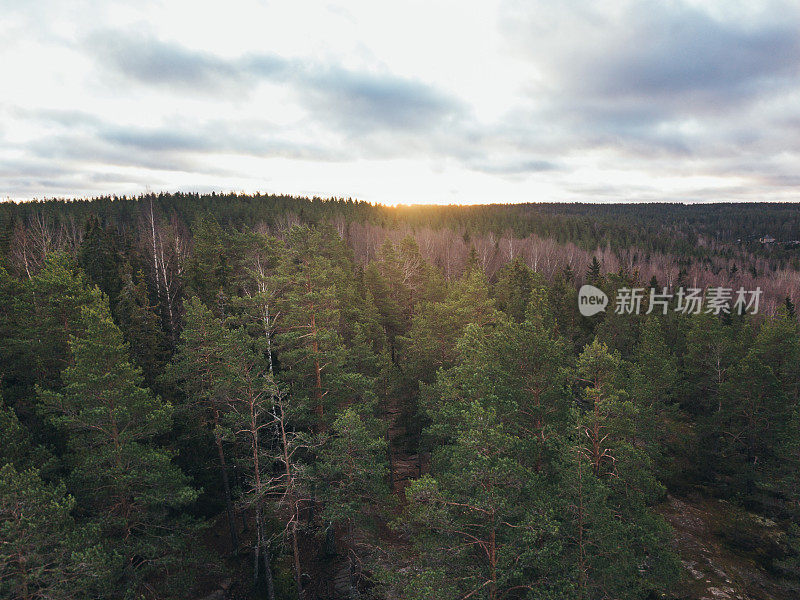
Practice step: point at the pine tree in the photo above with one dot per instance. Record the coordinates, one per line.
(483, 518)
(515, 281)
(481, 521)
(44, 553)
(388, 305)
(100, 258)
(520, 371)
(608, 485)
(753, 431)
(620, 331)
(652, 388)
(614, 544)
(311, 349)
(49, 311)
(399, 281)
(18, 447)
(593, 272)
(352, 474)
(201, 369)
(259, 282)
(250, 419)
(208, 270)
(141, 326)
(431, 342)
(607, 420)
(790, 309)
(14, 373)
(117, 471)
(711, 349)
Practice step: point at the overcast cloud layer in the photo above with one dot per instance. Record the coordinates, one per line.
(504, 101)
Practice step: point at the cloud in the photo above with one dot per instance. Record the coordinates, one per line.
(150, 61)
(356, 102)
(514, 167)
(659, 87)
(662, 51)
(179, 136)
(589, 98)
(361, 102)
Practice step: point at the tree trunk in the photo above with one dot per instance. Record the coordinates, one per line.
(265, 556)
(293, 505)
(493, 566)
(226, 485)
(256, 549)
(262, 549)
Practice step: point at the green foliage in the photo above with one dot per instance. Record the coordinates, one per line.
(312, 350)
(18, 447)
(593, 272)
(352, 475)
(353, 463)
(209, 269)
(620, 331)
(615, 545)
(515, 282)
(140, 323)
(47, 311)
(118, 472)
(610, 486)
(100, 258)
(431, 342)
(711, 348)
(44, 553)
(652, 386)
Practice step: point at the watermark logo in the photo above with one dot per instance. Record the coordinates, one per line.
(689, 301)
(591, 300)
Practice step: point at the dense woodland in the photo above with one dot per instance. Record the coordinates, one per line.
(283, 398)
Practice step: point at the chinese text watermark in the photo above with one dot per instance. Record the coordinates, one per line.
(712, 300)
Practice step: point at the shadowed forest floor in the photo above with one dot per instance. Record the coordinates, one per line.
(716, 569)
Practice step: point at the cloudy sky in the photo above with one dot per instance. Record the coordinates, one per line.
(414, 101)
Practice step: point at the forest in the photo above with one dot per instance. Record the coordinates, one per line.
(249, 396)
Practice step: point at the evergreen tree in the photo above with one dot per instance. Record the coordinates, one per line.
(711, 349)
(614, 545)
(431, 342)
(608, 417)
(652, 388)
(390, 310)
(117, 471)
(352, 471)
(754, 430)
(251, 396)
(201, 369)
(14, 373)
(18, 448)
(141, 326)
(515, 281)
(609, 487)
(593, 272)
(44, 553)
(620, 330)
(481, 521)
(48, 310)
(483, 518)
(790, 309)
(208, 271)
(100, 258)
(312, 350)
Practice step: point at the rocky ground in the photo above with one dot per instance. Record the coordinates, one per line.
(717, 568)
